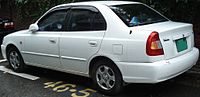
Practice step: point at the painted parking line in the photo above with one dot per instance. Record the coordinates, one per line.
(23, 75)
(3, 60)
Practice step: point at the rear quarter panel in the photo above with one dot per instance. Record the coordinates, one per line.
(122, 43)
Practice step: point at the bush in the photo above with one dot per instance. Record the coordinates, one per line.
(35, 8)
(177, 10)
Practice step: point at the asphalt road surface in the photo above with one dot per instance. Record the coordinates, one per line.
(38, 82)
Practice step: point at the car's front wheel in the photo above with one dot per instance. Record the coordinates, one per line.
(15, 60)
(107, 77)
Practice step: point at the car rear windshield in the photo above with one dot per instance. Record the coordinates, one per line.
(137, 14)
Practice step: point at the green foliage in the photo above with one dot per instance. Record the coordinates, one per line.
(178, 10)
(35, 8)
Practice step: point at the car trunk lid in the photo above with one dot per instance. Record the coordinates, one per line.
(176, 38)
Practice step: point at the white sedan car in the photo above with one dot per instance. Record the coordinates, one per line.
(113, 42)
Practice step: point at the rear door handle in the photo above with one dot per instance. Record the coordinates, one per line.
(52, 40)
(93, 43)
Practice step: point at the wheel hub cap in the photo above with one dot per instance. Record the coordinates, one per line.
(14, 59)
(105, 77)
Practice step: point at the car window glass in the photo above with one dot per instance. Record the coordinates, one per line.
(99, 22)
(81, 20)
(137, 14)
(86, 20)
(54, 21)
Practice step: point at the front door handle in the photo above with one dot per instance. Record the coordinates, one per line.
(93, 43)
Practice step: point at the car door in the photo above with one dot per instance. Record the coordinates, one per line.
(41, 48)
(86, 28)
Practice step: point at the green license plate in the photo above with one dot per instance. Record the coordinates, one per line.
(181, 44)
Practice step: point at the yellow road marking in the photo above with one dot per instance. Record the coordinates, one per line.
(61, 87)
(72, 90)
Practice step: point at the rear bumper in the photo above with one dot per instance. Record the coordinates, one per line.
(158, 71)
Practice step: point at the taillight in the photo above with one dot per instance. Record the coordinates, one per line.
(154, 46)
(9, 25)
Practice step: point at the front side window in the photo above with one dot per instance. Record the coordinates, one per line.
(137, 14)
(53, 21)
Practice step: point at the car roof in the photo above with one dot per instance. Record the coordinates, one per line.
(108, 3)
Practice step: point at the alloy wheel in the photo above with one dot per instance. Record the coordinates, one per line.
(14, 59)
(105, 77)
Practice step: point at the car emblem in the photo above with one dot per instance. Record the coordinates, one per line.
(166, 40)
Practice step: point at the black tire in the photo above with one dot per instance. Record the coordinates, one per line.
(15, 60)
(113, 77)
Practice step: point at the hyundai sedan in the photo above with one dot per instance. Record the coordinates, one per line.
(113, 42)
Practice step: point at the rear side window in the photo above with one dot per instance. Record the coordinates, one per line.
(98, 23)
(86, 20)
(137, 14)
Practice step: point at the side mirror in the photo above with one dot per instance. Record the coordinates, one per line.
(33, 28)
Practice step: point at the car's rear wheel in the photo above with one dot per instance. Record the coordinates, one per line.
(107, 77)
(15, 60)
